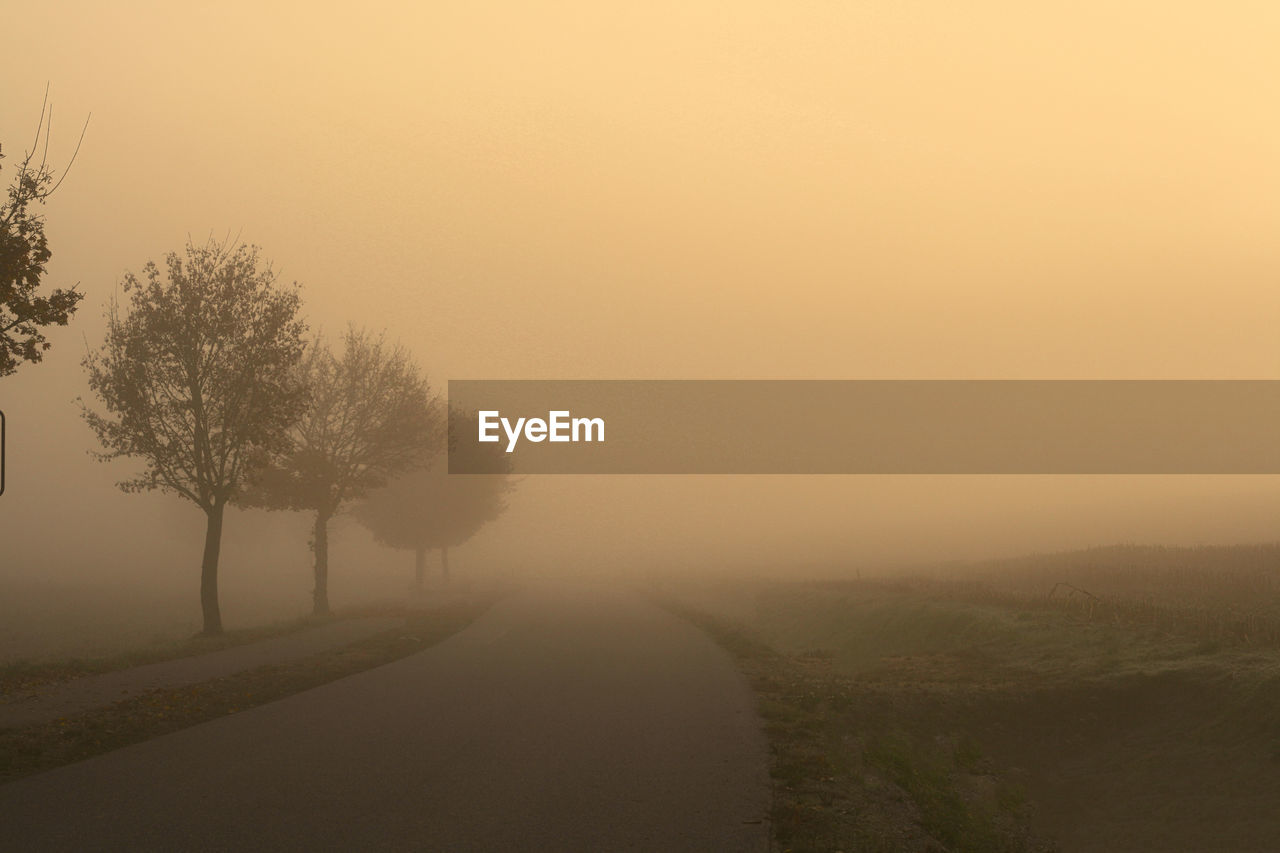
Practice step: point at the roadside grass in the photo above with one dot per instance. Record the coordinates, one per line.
(981, 718)
(20, 675)
(864, 766)
(947, 634)
(31, 749)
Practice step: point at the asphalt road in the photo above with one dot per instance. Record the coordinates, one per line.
(561, 720)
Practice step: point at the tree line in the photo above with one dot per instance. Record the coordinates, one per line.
(208, 377)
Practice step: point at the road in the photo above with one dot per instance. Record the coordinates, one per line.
(563, 719)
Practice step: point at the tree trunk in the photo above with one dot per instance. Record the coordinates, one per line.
(321, 546)
(209, 571)
(444, 564)
(419, 566)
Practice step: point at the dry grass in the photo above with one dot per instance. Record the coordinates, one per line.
(21, 675)
(42, 746)
(865, 767)
(1124, 732)
(1221, 595)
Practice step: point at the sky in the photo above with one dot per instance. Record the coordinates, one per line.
(746, 190)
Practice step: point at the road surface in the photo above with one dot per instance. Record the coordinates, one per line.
(561, 720)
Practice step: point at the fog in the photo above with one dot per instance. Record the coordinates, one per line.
(729, 191)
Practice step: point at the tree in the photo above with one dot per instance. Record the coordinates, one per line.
(431, 508)
(198, 378)
(24, 256)
(369, 415)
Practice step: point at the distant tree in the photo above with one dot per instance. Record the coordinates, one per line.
(368, 417)
(430, 508)
(24, 255)
(199, 381)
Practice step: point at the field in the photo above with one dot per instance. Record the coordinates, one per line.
(1114, 699)
(1226, 593)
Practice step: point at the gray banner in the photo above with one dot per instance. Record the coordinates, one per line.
(873, 427)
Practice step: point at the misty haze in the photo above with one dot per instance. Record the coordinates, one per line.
(244, 604)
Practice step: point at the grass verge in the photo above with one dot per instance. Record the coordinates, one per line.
(869, 766)
(31, 749)
(21, 675)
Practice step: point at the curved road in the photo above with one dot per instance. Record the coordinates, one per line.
(561, 720)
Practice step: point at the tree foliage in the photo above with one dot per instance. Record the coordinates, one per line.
(24, 257)
(197, 374)
(431, 508)
(369, 414)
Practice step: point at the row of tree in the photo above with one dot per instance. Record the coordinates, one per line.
(207, 377)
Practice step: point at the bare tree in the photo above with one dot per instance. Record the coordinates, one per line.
(369, 416)
(198, 379)
(25, 254)
(431, 508)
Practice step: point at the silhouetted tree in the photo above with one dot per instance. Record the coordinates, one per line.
(199, 381)
(24, 255)
(430, 508)
(368, 417)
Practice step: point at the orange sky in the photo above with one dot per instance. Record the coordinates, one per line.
(694, 190)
